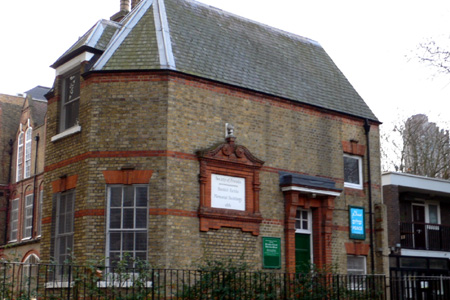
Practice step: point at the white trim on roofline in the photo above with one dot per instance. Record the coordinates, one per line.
(310, 191)
(74, 62)
(142, 8)
(415, 181)
(425, 253)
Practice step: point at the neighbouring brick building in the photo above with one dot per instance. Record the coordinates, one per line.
(22, 226)
(418, 210)
(180, 132)
(10, 108)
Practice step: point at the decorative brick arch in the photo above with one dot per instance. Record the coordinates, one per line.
(317, 194)
(229, 159)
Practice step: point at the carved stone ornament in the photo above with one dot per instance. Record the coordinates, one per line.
(229, 161)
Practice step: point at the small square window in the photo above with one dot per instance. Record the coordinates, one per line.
(353, 171)
(356, 265)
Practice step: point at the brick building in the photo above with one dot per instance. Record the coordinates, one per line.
(22, 227)
(10, 108)
(418, 208)
(178, 132)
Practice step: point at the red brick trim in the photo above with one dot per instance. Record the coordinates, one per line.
(32, 251)
(322, 215)
(46, 220)
(352, 147)
(232, 160)
(172, 154)
(89, 212)
(110, 154)
(64, 183)
(128, 176)
(357, 248)
(273, 222)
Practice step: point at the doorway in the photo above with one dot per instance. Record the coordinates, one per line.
(303, 240)
(419, 226)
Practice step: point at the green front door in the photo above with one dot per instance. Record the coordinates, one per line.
(302, 253)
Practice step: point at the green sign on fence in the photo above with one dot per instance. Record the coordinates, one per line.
(271, 252)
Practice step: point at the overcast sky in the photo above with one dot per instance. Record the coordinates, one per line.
(370, 41)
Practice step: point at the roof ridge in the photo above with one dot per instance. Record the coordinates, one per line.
(227, 13)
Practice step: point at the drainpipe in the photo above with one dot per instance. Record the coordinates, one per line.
(369, 182)
(10, 152)
(36, 138)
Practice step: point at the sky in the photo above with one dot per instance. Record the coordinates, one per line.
(374, 43)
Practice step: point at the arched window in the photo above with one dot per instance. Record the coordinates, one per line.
(29, 273)
(19, 157)
(28, 135)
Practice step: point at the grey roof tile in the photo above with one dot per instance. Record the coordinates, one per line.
(213, 44)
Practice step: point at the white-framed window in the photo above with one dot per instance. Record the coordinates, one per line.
(70, 100)
(65, 206)
(127, 223)
(353, 175)
(28, 135)
(30, 272)
(303, 222)
(39, 217)
(28, 217)
(19, 170)
(356, 267)
(14, 220)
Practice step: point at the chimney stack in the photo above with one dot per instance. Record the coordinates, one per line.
(124, 10)
(134, 3)
(124, 5)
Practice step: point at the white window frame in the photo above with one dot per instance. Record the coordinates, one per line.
(28, 139)
(301, 219)
(364, 265)
(122, 230)
(20, 146)
(301, 230)
(27, 217)
(356, 283)
(14, 221)
(360, 173)
(426, 205)
(39, 218)
(65, 90)
(69, 214)
(30, 270)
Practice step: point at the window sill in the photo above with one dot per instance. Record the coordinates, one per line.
(353, 186)
(68, 132)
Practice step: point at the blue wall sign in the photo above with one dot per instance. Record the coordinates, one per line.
(357, 223)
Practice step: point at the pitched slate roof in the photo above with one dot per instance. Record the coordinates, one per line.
(38, 104)
(196, 39)
(38, 92)
(38, 111)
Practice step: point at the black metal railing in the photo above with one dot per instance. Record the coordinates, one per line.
(408, 285)
(40, 281)
(424, 236)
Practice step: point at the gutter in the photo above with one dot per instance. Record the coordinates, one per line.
(369, 182)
